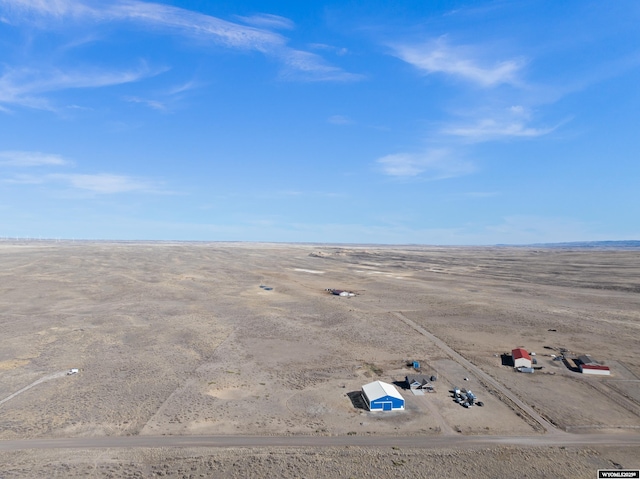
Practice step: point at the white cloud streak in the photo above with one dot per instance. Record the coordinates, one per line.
(101, 183)
(267, 20)
(301, 65)
(30, 158)
(489, 129)
(153, 104)
(53, 8)
(25, 86)
(226, 33)
(513, 122)
(436, 164)
(190, 85)
(440, 57)
(308, 66)
(104, 183)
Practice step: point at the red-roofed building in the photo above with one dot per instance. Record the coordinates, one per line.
(521, 358)
(595, 369)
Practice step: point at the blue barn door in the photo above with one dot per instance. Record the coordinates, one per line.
(386, 406)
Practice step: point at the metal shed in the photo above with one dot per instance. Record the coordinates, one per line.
(381, 396)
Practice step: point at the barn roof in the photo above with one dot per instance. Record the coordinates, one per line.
(595, 366)
(586, 359)
(520, 353)
(378, 389)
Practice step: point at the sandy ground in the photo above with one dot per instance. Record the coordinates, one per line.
(352, 462)
(181, 339)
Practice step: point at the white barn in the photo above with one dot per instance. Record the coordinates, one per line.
(595, 369)
(589, 366)
(381, 396)
(521, 358)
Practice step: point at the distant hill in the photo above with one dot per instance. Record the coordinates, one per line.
(626, 244)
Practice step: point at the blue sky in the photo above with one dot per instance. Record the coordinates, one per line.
(471, 122)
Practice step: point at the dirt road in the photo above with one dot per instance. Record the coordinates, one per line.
(428, 442)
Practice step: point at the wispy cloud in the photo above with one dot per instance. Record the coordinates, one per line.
(434, 164)
(490, 129)
(190, 85)
(156, 14)
(30, 158)
(267, 20)
(104, 183)
(226, 33)
(302, 65)
(188, 23)
(460, 61)
(100, 183)
(154, 104)
(53, 8)
(165, 99)
(513, 122)
(25, 86)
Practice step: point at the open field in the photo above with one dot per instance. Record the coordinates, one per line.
(180, 339)
(294, 463)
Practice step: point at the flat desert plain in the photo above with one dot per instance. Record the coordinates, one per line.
(241, 339)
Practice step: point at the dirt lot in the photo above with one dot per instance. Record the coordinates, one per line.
(181, 339)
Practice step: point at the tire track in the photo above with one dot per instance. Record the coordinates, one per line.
(60, 374)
